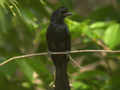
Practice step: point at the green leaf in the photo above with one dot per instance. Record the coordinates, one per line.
(112, 35)
(8, 69)
(39, 65)
(27, 70)
(80, 85)
(118, 1)
(90, 74)
(2, 21)
(67, 3)
(104, 13)
(98, 25)
(2, 2)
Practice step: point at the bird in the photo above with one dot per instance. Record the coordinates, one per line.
(59, 40)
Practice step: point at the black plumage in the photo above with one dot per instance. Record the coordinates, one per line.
(59, 40)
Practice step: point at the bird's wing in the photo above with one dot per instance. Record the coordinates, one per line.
(49, 37)
(58, 38)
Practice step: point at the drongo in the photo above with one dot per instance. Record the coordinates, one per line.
(59, 40)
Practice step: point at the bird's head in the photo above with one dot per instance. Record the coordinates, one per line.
(60, 14)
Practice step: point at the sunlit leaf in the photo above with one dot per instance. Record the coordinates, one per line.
(112, 34)
(80, 85)
(2, 2)
(98, 25)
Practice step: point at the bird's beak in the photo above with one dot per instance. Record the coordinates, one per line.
(67, 14)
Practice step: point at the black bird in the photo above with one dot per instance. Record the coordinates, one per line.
(59, 40)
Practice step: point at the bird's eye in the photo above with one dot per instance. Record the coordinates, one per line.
(64, 10)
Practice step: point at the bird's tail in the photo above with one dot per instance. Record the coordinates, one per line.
(61, 62)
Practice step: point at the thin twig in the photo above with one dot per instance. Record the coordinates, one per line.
(46, 53)
(22, 56)
(77, 64)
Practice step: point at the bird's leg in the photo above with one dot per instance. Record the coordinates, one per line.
(49, 53)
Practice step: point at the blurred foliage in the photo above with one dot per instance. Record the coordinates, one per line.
(23, 24)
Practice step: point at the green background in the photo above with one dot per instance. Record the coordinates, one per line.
(93, 25)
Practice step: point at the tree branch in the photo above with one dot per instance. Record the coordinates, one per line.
(46, 53)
